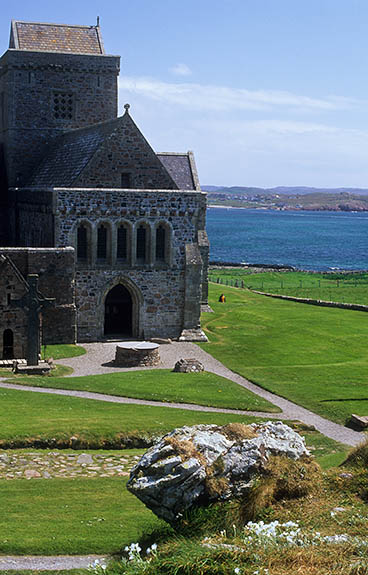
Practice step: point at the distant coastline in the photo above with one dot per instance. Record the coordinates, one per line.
(288, 209)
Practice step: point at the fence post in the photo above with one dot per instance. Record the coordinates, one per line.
(242, 284)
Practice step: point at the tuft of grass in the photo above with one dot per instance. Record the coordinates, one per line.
(358, 457)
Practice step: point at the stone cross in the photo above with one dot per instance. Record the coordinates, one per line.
(33, 302)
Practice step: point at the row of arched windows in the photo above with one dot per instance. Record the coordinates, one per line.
(123, 243)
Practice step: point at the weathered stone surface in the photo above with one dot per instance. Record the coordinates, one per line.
(191, 365)
(205, 463)
(137, 354)
(359, 421)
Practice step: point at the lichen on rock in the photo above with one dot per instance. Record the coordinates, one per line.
(205, 463)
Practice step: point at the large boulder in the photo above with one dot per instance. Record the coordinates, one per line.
(206, 463)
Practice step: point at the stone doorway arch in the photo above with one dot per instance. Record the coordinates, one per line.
(8, 344)
(118, 312)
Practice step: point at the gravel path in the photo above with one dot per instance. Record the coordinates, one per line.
(50, 563)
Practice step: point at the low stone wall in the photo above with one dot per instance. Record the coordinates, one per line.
(320, 302)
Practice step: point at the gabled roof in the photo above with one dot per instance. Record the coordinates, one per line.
(64, 38)
(71, 155)
(181, 168)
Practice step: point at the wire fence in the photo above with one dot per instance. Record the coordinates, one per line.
(302, 284)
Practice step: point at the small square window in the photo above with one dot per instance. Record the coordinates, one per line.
(63, 105)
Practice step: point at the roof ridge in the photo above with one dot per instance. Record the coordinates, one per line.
(86, 26)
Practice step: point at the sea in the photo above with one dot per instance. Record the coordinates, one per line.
(306, 240)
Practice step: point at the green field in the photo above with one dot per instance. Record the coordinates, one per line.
(70, 516)
(314, 356)
(27, 418)
(338, 287)
(205, 389)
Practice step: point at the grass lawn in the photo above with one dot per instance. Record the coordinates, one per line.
(345, 288)
(205, 389)
(28, 417)
(70, 516)
(314, 356)
(62, 351)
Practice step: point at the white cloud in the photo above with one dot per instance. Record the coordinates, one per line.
(220, 98)
(261, 138)
(180, 69)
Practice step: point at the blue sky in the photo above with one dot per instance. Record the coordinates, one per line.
(265, 92)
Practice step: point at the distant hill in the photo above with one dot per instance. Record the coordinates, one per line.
(287, 190)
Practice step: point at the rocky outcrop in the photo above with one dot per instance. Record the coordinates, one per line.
(204, 463)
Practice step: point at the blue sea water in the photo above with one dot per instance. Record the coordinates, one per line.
(306, 240)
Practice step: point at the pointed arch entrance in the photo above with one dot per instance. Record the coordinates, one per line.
(118, 312)
(8, 344)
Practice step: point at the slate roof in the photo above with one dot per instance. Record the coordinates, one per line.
(69, 155)
(56, 38)
(179, 167)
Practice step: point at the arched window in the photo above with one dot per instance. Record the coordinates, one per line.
(160, 243)
(142, 245)
(82, 242)
(122, 243)
(102, 242)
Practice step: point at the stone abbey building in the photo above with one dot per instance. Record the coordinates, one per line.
(115, 231)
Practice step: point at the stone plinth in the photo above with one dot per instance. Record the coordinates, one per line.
(137, 354)
(41, 368)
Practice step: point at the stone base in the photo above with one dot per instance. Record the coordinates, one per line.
(193, 335)
(359, 421)
(41, 369)
(137, 354)
(191, 365)
(205, 308)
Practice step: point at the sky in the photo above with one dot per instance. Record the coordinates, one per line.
(265, 92)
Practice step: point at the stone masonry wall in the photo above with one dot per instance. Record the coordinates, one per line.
(157, 288)
(158, 301)
(125, 151)
(32, 223)
(29, 82)
(55, 268)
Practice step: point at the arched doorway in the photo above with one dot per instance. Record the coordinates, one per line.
(8, 344)
(118, 311)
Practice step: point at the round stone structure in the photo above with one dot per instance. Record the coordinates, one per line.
(137, 354)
